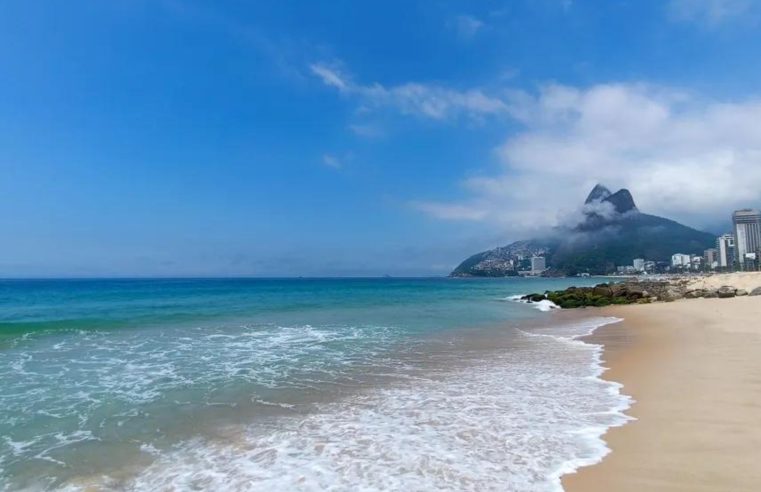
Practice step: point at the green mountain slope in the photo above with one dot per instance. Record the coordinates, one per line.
(613, 232)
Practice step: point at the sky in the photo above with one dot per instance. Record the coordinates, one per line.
(351, 138)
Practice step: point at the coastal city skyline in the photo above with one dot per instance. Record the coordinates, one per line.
(730, 253)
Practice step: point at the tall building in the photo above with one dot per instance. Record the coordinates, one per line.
(711, 257)
(538, 264)
(747, 224)
(679, 260)
(639, 264)
(725, 245)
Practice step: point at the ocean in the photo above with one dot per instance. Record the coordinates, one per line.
(297, 384)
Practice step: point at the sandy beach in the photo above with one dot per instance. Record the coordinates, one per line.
(694, 369)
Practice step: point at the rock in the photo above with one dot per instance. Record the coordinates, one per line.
(635, 292)
(695, 294)
(618, 290)
(533, 297)
(602, 290)
(726, 292)
(672, 293)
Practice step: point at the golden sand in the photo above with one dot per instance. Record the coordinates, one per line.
(694, 369)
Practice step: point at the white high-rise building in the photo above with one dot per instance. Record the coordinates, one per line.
(725, 245)
(711, 257)
(680, 260)
(747, 234)
(538, 264)
(639, 264)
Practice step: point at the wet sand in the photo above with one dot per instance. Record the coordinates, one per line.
(694, 369)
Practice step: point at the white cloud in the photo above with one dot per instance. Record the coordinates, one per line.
(333, 161)
(467, 26)
(709, 12)
(681, 156)
(329, 76)
(419, 99)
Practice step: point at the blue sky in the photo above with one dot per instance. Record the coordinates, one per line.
(185, 137)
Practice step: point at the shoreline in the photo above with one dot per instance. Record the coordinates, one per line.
(692, 369)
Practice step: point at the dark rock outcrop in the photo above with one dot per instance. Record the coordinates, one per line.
(726, 292)
(634, 292)
(603, 294)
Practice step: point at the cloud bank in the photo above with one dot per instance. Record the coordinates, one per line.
(680, 155)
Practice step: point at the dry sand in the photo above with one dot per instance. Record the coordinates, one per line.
(694, 369)
(739, 280)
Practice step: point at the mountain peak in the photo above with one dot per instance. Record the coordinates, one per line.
(622, 201)
(598, 193)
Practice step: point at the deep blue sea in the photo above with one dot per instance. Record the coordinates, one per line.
(296, 384)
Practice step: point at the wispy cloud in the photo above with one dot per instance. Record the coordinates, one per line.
(680, 155)
(332, 161)
(330, 76)
(466, 26)
(709, 12)
(419, 99)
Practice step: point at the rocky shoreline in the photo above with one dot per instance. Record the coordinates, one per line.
(637, 292)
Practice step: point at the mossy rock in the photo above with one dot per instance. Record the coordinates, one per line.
(602, 301)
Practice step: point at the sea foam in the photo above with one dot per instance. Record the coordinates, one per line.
(543, 305)
(515, 420)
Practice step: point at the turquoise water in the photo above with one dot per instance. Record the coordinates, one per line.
(244, 384)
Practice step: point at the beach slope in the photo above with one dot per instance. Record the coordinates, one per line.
(694, 369)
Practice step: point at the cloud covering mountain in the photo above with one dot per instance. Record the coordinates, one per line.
(680, 154)
(609, 232)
